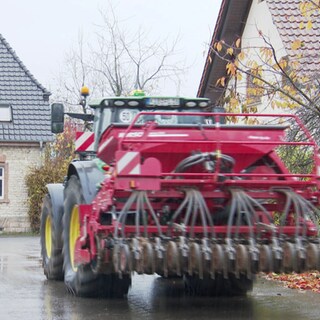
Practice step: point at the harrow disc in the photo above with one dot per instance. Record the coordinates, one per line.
(300, 265)
(195, 260)
(121, 258)
(136, 256)
(217, 259)
(172, 258)
(124, 259)
(242, 258)
(159, 257)
(289, 257)
(312, 257)
(147, 258)
(115, 257)
(265, 258)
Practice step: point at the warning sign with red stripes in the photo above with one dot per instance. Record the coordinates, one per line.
(128, 162)
(84, 141)
(132, 174)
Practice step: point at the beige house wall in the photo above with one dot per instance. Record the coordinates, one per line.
(260, 20)
(13, 208)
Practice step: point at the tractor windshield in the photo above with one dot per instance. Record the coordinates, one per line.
(126, 116)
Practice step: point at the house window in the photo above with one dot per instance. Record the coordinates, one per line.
(3, 179)
(288, 76)
(254, 92)
(5, 112)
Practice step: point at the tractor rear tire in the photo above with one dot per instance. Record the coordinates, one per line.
(51, 242)
(82, 280)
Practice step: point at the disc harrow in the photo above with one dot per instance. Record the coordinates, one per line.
(190, 243)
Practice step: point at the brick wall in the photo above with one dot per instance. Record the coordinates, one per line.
(13, 209)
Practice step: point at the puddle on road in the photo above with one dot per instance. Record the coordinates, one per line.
(3, 264)
(150, 298)
(155, 298)
(26, 294)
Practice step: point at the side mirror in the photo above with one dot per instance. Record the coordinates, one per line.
(57, 117)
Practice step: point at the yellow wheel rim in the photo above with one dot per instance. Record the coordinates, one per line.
(48, 238)
(74, 234)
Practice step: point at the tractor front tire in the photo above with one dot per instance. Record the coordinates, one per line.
(50, 240)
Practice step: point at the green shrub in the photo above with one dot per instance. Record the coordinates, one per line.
(56, 158)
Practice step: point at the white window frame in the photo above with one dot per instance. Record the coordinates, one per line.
(5, 112)
(2, 179)
(4, 197)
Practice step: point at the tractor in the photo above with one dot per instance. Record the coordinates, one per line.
(179, 188)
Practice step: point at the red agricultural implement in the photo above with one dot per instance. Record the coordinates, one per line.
(182, 192)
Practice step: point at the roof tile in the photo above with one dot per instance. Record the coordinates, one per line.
(28, 98)
(287, 18)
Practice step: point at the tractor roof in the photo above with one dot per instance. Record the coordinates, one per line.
(149, 101)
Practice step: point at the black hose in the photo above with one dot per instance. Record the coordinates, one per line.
(153, 214)
(309, 209)
(303, 209)
(123, 214)
(247, 211)
(209, 217)
(251, 202)
(198, 195)
(228, 161)
(285, 211)
(231, 214)
(194, 217)
(298, 215)
(188, 162)
(188, 212)
(178, 211)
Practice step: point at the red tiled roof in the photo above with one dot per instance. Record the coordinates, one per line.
(287, 17)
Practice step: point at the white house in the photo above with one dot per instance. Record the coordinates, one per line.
(24, 129)
(279, 21)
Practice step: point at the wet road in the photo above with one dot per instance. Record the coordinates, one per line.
(26, 294)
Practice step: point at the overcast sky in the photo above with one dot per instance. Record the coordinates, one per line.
(43, 31)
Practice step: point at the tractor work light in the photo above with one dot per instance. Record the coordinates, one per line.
(119, 103)
(191, 104)
(203, 104)
(133, 103)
